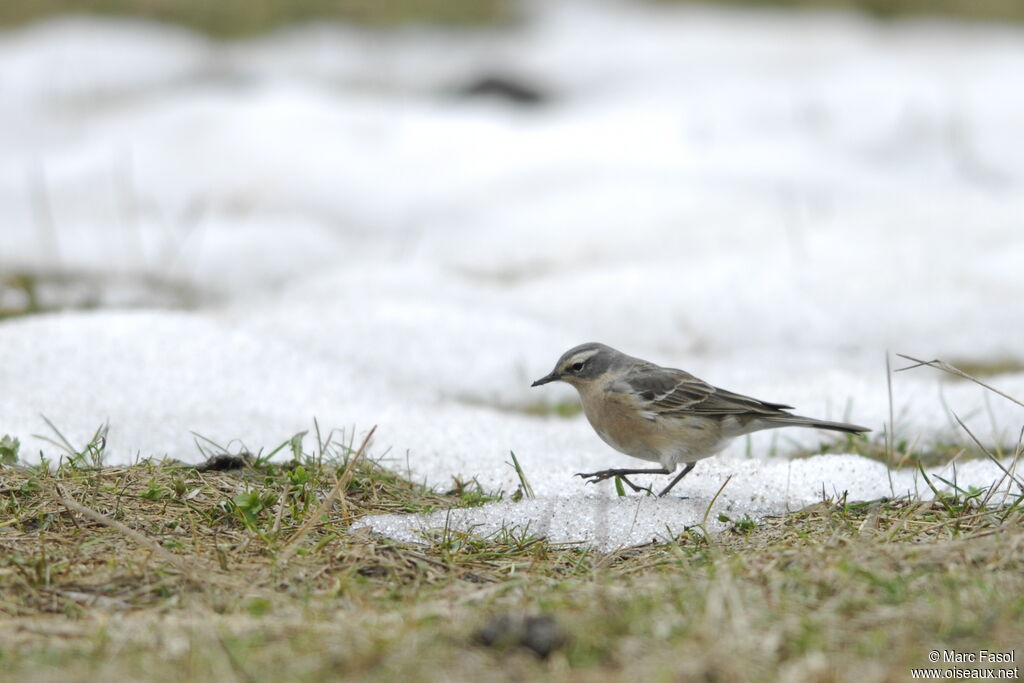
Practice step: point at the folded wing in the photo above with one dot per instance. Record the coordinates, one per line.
(670, 392)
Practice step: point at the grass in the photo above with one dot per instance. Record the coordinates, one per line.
(24, 293)
(972, 10)
(237, 18)
(161, 571)
(19, 295)
(905, 453)
(988, 368)
(538, 408)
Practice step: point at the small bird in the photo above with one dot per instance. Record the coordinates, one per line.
(664, 415)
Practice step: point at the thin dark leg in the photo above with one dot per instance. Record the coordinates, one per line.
(595, 477)
(686, 470)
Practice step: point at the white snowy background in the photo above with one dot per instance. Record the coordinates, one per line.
(314, 223)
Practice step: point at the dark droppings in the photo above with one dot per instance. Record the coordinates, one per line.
(540, 634)
(225, 462)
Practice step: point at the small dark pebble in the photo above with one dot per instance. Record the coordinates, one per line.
(540, 634)
(225, 462)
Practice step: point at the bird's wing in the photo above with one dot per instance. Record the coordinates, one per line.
(670, 392)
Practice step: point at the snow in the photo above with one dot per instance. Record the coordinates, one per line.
(772, 201)
(750, 490)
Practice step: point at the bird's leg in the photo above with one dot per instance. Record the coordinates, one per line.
(686, 470)
(595, 477)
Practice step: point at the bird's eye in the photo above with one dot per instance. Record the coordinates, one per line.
(576, 367)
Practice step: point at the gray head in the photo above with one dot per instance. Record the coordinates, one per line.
(583, 363)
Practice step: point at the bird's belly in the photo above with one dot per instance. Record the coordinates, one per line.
(665, 440)
(629, 444)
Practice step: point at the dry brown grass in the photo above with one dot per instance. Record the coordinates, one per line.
(165, 572)
(234, 18)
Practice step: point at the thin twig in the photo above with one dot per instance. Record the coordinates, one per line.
(707, 511)
(991, 457)
(144, 541)
(890, 437)
(953, 370)
(61, 493)
(42, 209)
(337, 491)
(953, 520)
(280, 509)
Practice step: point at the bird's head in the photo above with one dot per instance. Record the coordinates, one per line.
(582, 364)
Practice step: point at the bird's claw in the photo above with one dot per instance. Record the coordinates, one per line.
(638, 489)
(595, 477)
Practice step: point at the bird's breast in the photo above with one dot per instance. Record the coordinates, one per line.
(620, 424)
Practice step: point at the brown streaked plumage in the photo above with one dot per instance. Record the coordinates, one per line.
(664, 415)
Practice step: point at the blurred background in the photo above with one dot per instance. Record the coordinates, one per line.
(232, 217)
(236, 18)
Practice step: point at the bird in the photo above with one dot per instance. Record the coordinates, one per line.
(664, 415)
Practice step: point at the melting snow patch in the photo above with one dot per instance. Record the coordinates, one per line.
(755, 490)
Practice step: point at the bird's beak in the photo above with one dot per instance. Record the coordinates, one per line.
(551, 377)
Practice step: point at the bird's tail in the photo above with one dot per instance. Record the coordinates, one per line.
(801, 421)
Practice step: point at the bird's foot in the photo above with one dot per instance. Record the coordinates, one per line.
(636, 489)
(595, 477)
